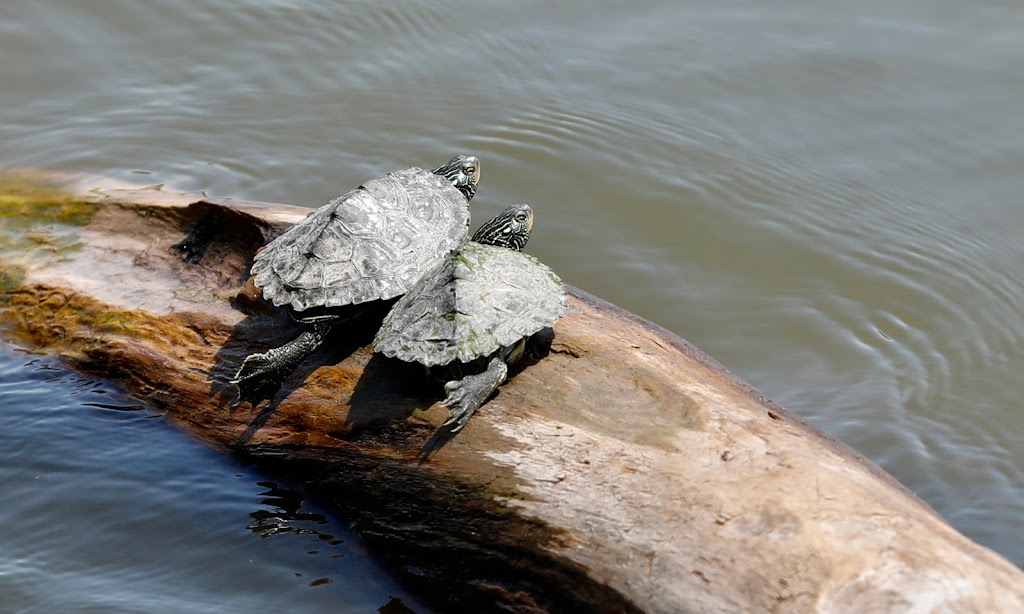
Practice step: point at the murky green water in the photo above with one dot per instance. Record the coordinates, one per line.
(825, 197)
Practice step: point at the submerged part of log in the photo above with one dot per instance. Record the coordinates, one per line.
(619, 470)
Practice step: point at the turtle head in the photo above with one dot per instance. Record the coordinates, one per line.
(463, 172)
(511, 228)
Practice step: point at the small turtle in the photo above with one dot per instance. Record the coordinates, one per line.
(471, 316)
(371, 244)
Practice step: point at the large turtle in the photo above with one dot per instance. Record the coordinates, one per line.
(371, 244)
(471, 316)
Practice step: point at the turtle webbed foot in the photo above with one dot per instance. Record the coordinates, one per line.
(259, 378)
(263, 371)
(256, 365)
(466, 395)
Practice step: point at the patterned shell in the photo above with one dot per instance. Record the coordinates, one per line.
(372, 243)
(480, 299)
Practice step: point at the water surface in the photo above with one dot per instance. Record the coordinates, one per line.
(108, 508)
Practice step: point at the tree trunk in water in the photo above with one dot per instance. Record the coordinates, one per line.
(619, 468)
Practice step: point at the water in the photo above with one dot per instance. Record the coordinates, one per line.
(108, 508)
(822, 196)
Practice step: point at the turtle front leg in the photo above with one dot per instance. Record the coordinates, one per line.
(262, 371)
(466, 395)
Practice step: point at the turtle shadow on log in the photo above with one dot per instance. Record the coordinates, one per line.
(431, 390)
(261, 331)
(221, 244)
(218, 248)
(384, 400)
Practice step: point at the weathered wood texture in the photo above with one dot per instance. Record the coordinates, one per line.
(622, 471)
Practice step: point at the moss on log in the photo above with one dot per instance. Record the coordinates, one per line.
(620, 469)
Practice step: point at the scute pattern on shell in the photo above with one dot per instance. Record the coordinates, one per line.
(480, 299)
(372, 243)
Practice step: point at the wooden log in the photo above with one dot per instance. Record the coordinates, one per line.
(619, 470)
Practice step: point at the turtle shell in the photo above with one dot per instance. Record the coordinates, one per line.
(480, 299)
(370, 244)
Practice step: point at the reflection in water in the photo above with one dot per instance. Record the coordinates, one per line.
(285, 515)
(395, 606)
(285, 518)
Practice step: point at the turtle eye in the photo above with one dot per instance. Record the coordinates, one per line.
(468, 169)
(521, 218)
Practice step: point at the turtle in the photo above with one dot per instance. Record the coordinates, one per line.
(368, 245)
(470, 317)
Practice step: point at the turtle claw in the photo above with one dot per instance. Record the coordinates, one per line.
(460, 405)
(262, 371)
(254, 365)
(466, 395)
(255, 392)
(257, 379)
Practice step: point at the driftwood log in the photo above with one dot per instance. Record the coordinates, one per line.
(619, 470)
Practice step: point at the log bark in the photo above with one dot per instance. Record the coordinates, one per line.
(619, 469)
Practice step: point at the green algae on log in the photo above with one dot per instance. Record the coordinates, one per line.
(622, 471)
(38, 218)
